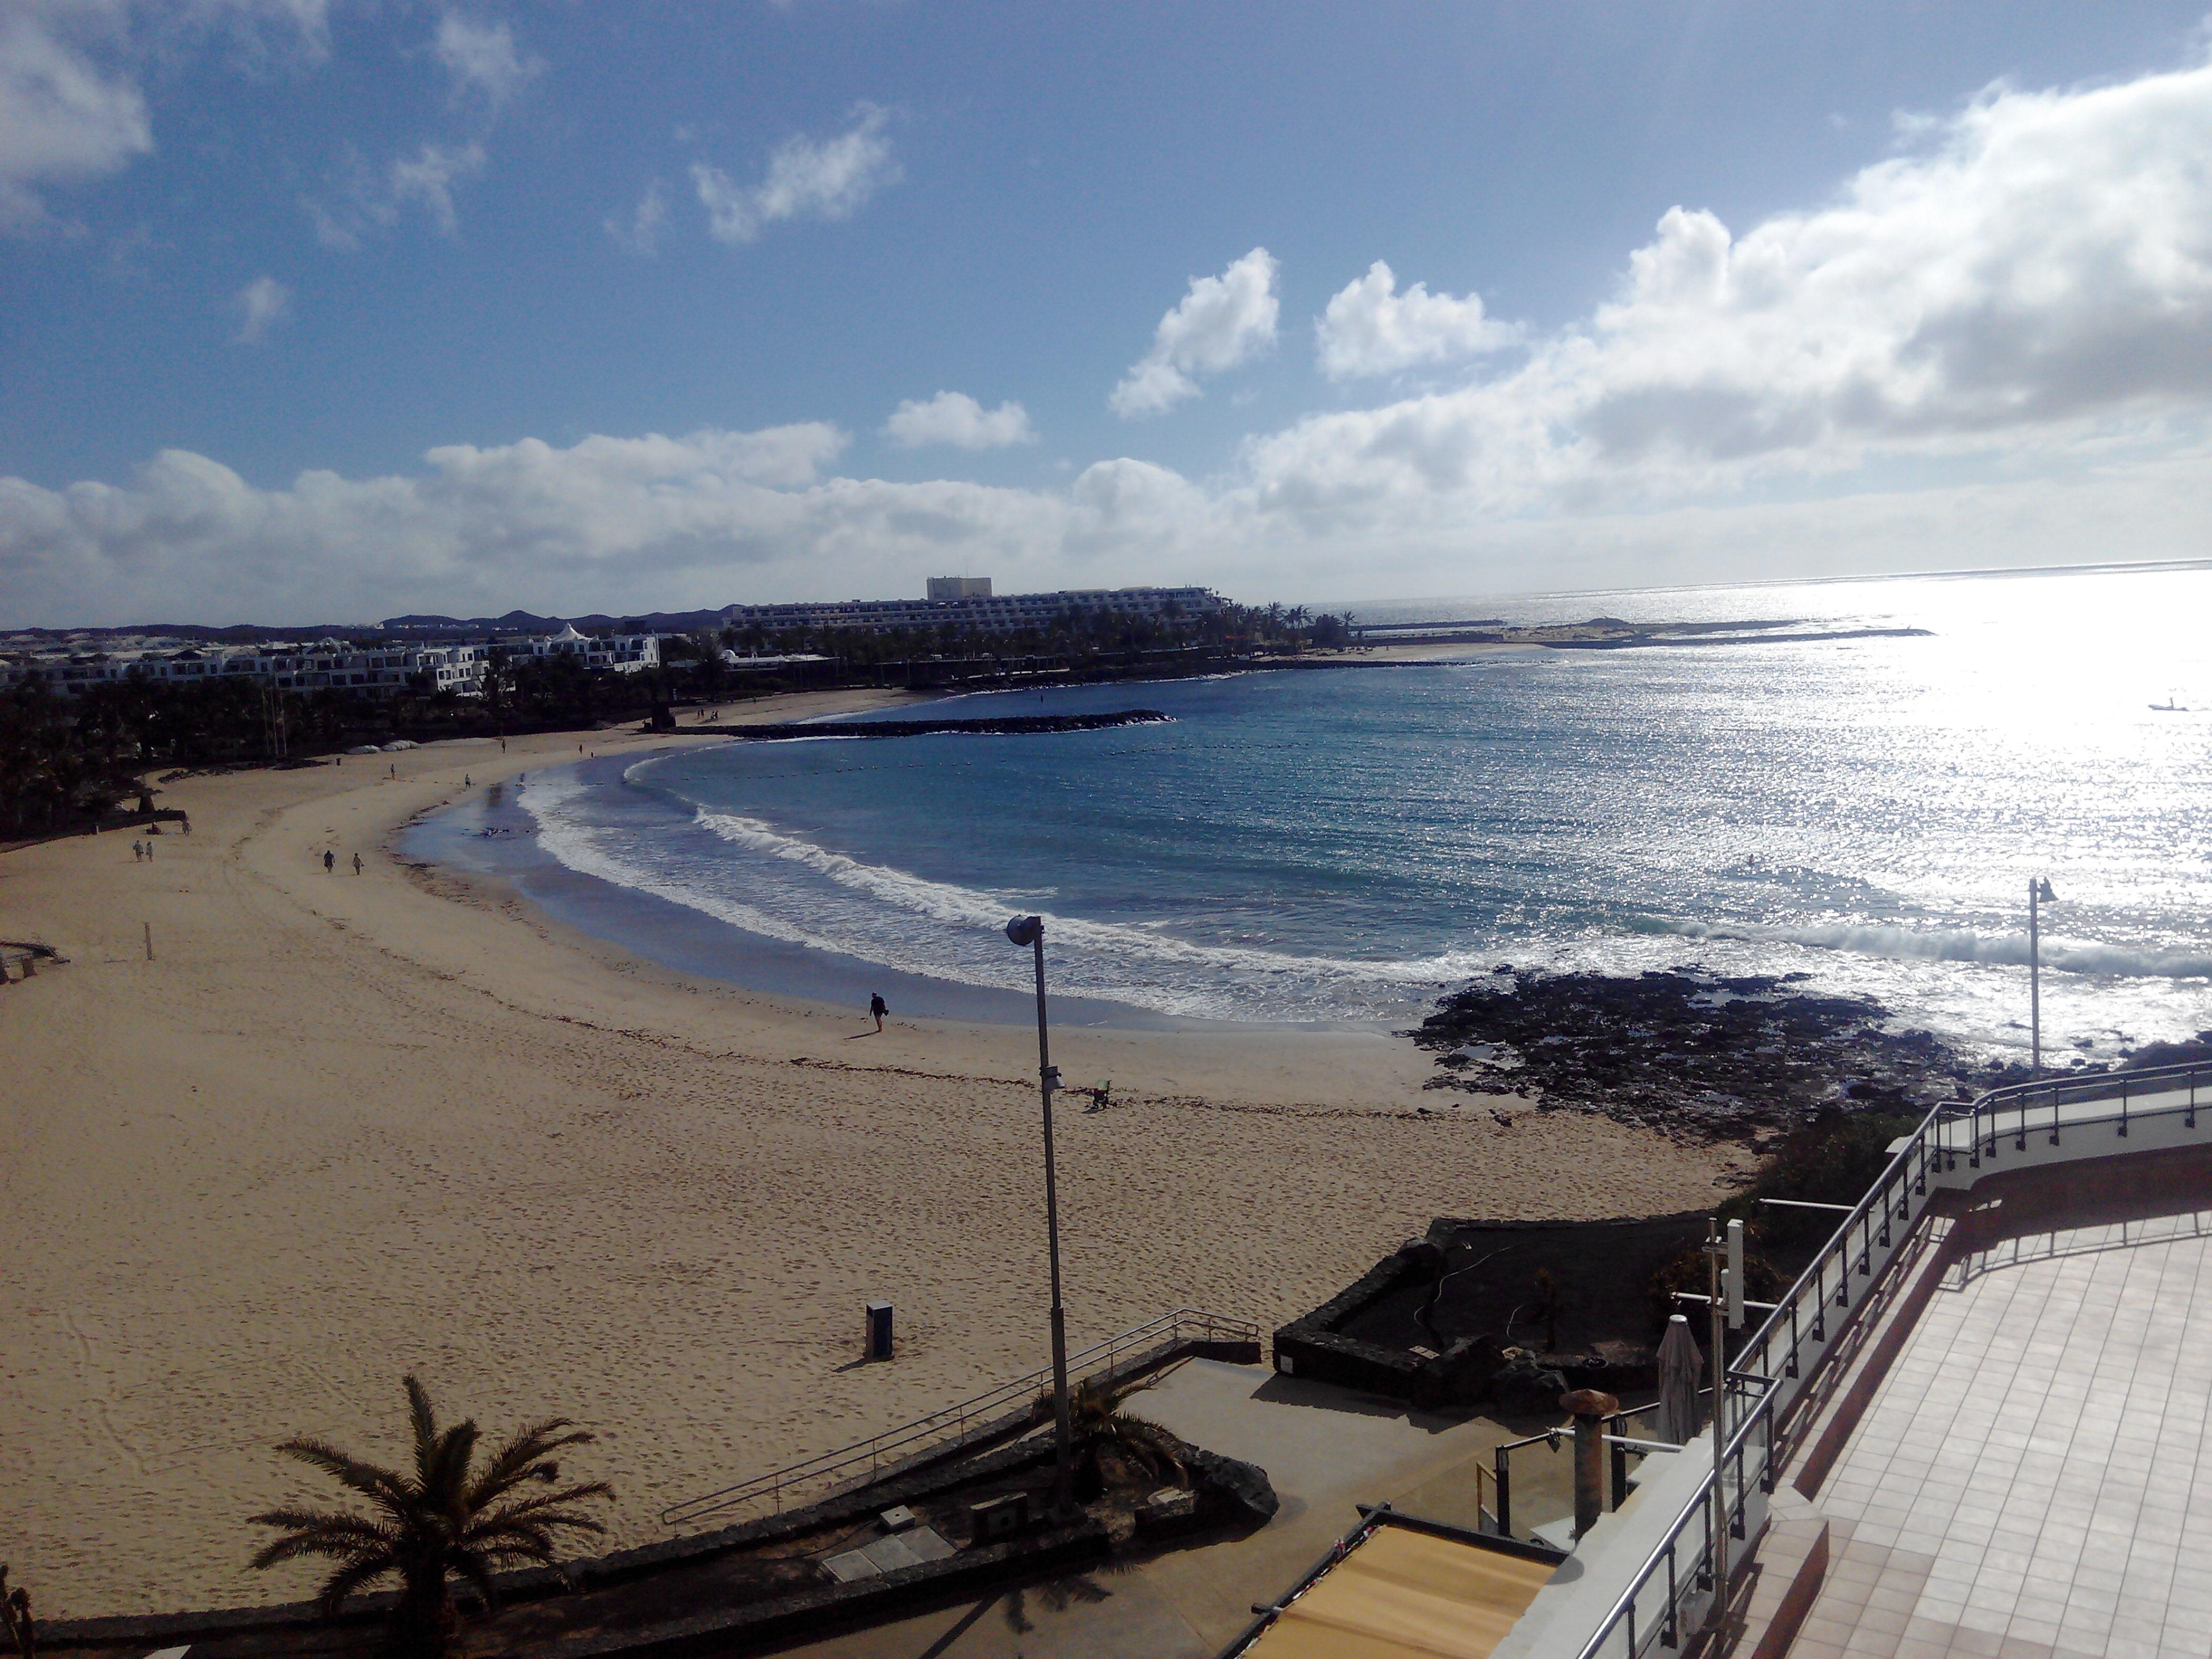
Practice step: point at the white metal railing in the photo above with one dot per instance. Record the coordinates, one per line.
(1667, 1595)
(859, 1463)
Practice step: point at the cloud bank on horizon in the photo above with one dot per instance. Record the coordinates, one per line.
(1990, 346)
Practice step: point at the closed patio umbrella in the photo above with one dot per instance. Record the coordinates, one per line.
(1681, 1370)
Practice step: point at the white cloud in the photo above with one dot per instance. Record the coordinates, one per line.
(71, 107)
(956, 418)
(2037, 268)
(261, 305)
(1222, 321)
(481, 58)
(62, 118)
(634, 522)
(363, 199)
(1369, 328)
(429, 176)
(639, 230)
(481, 62)
(656, 522)
(832, 179)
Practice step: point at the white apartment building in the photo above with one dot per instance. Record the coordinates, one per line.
(620, 654)
(328, 665)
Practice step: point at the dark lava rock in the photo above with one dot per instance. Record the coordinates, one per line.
(1229, 1488)
(1695, 1055)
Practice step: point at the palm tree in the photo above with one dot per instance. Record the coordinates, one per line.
(1096, 1420)
(447, 1520)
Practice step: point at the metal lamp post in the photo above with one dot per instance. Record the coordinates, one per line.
(1715, 1254)
(1030, 931)
(2039, 892)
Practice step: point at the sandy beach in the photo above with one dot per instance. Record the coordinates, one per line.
(339, 1127)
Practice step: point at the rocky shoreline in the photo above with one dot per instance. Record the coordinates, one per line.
(1695, 1055)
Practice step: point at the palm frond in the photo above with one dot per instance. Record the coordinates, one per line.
(348, 1579)
(314, 1523)
(301, 1545)
(540, 1508)
(515, 1545)
(423, 1418)
(445, 1481)
(380, 1485)
(532, 1535)
(513, 1461)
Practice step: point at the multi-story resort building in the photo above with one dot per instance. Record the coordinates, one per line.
(968, 604)
(325, 664)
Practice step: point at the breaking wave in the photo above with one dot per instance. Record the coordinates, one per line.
(1960, 945)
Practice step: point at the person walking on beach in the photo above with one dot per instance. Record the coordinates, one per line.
(357, 864)
(330, 860)
(138, 850)
(878, 1007)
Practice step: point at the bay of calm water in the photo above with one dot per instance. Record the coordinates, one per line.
(1341, 845)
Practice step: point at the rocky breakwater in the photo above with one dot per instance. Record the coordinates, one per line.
(1694, 1055)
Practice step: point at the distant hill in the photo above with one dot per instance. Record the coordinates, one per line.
(229, 634)
(523, 622)
(418, 627)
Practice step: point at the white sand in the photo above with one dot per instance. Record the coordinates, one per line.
(344, 1127)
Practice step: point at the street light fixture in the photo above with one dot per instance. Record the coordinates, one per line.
(1030, 931)
(2039, 892)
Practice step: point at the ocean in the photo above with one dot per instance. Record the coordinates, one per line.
(1339, 845)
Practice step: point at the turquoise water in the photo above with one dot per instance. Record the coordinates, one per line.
(1338, 845)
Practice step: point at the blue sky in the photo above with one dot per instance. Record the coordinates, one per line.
(312, 310)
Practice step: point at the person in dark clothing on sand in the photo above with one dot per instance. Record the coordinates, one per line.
(330, 860)
(878, 1007)
(357, 864)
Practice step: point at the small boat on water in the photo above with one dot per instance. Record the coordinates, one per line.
(2169, 707)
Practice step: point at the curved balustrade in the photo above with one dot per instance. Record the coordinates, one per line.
(1669, 1594)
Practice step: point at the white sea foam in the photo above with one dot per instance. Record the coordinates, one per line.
(1139, 964)
(1959, 945)
(578, 847)
(959, 906)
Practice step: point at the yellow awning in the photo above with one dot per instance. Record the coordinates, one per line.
(1407, 1595)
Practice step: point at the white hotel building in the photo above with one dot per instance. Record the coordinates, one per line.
(966, 602)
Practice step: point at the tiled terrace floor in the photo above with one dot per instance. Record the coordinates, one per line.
(2032, 1477)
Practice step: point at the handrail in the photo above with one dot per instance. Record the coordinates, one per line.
(1984, 1117)
(2095, 1086)
(953, 1422)
(1888, 1204)
(1732, 1450)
